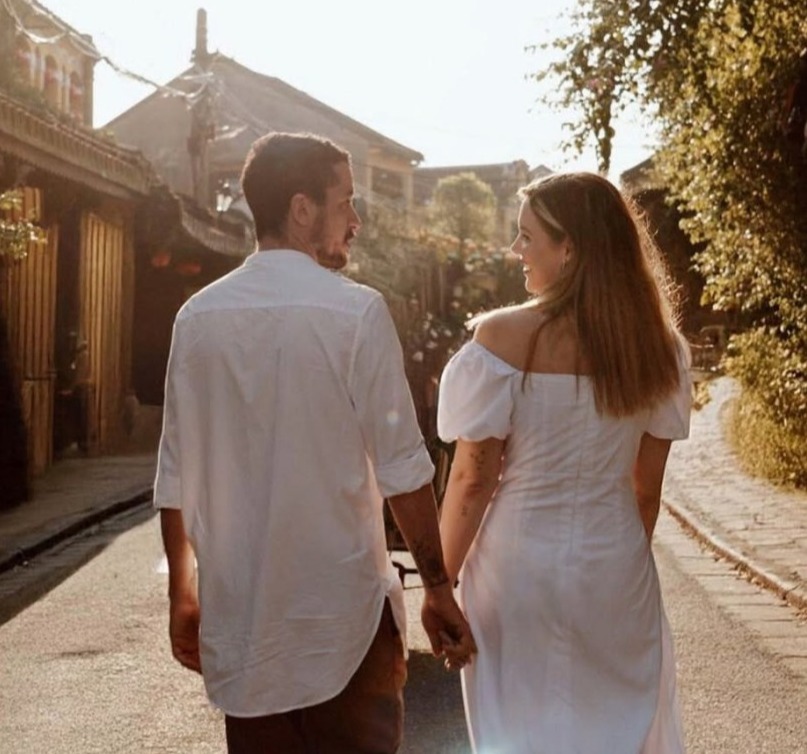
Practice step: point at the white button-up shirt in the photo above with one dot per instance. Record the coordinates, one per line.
(287, 417)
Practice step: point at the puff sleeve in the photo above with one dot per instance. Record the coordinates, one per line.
(476, 396)
(669, 420)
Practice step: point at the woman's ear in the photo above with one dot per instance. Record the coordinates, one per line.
(568, 251)
(567, 256)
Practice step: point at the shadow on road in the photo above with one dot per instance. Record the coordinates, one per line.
(24, 584)
(435, 720)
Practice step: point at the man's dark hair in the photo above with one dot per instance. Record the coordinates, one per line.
(280, 165)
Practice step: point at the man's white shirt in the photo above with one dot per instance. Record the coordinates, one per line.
(287, 418)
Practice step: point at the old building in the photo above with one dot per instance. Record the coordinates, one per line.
(74, 308)
(701, 323)
(198, 144)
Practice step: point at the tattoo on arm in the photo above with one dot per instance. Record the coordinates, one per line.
(429, 564)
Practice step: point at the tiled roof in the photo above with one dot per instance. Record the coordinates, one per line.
(255, 99)
(641, 177)
(230, 242)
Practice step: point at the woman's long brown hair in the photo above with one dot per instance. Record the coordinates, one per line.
(614, 287)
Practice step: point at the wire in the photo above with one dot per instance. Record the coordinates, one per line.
(93, 52)
(41, 40)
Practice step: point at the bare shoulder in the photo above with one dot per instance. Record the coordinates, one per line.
(506, 332)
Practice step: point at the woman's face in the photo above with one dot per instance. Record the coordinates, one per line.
(542, 257)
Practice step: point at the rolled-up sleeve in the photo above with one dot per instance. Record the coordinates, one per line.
(167, 486)
(383, 403)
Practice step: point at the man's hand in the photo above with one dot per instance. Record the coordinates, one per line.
(183, 628)
(448, 631)
(183, 620)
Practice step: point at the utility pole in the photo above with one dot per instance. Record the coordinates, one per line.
(202, 125)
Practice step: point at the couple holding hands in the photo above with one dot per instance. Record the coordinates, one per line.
(288, 420)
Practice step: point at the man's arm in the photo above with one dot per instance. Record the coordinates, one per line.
(183, 626)
(395, 445)
(448, 631)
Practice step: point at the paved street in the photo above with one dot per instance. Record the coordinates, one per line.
(87, 668)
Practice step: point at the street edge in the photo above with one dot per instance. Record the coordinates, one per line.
(22, 555)
(793, 594)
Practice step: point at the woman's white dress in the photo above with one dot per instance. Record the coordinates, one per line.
(560, 585)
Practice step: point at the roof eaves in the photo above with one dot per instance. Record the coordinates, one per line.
(73, 153)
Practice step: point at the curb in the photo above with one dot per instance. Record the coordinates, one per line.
(21, 555)
(791, 592)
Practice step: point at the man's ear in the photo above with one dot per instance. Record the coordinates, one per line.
(302, 210)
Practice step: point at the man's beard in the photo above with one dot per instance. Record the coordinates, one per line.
(332, 259)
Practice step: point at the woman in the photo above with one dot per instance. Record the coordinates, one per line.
(563, 410)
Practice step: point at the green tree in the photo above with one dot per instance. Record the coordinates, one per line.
(464, 207)
(715, 74)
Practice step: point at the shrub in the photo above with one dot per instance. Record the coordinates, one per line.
(768, 426)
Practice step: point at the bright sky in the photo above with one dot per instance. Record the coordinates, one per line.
(444, 77)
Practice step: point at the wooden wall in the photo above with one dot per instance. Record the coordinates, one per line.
(28, 299)
(102, 268)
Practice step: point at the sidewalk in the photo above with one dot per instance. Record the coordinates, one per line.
(72, 495)
(760, 528)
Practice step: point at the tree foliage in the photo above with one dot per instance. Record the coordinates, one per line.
(715, 75)
(433, 289)
(464, 207)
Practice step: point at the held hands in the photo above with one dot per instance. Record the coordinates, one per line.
(183, 629)
(448, 631)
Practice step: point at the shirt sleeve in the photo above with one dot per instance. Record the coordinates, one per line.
(167, 488)
(669, 420)
(383, 403)
(476, 398)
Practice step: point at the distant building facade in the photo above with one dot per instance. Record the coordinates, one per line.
(643, 184)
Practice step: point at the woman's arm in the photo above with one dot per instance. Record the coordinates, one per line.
(648, 475)
(473, 479)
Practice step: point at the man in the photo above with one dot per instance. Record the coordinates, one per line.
(287, 417)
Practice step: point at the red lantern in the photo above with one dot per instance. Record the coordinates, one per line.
(188, 268)
(161, 259)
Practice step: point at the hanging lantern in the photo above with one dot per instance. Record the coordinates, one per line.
(188, 268)
(160, 259)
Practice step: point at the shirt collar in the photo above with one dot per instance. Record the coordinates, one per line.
(279, 256)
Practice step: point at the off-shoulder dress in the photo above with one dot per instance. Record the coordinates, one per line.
(560, 586)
